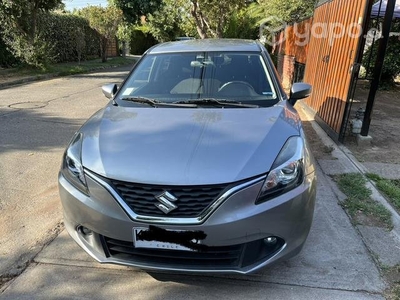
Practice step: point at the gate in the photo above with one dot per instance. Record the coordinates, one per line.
(331, 66)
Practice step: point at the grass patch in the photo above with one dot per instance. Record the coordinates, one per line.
(353, 185)
(392, 276)
(389, 187)
(328, 149)
(64, 69)
(360, 205)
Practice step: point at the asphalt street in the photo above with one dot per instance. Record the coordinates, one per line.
(36, 122)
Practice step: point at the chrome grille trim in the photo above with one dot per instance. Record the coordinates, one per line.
(168, 220)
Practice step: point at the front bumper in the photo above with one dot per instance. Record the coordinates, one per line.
(236, 229)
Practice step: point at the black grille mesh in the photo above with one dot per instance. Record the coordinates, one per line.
(226, 256)
(214, 257)
(192, 200)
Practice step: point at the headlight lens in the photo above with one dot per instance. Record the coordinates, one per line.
(287, 171)
(72, 167)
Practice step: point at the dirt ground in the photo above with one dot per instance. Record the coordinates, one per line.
(384, 129)
(318, 148)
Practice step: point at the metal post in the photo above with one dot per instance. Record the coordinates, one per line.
(387, 24)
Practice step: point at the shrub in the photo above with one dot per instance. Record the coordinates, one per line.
(391, 64)
(141, 41)
(71, 37)
(241, 25)
(7, 59)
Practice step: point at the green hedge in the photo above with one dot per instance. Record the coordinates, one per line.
(6, 58)
(71, 38)
(141, 41)
(391, 64)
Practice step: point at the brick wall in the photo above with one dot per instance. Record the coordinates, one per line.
(291, 48)
(286, 69)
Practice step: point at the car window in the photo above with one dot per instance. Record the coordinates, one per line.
(174, 77)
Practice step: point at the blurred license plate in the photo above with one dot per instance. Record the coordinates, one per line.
(155, 244)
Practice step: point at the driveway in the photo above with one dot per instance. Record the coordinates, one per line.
(334, 264)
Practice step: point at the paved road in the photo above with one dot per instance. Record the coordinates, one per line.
(36, 122)
(333, 265)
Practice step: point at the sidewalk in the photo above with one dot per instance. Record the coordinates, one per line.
(384, 246)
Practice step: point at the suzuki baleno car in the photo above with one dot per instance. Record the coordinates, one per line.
(198, 163)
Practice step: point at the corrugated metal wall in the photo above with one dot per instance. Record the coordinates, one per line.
(330, 59)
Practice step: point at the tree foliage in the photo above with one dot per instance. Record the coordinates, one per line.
(133, 10)
(171, 20)
(211, 16)
(204, 19)
(71, 37)
(391, 64)
(288, 11)
(18, 26)
(141, 41)
(105, 20)
(243, 24)
(7, 59)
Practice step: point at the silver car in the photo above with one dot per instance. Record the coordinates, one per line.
(198, 164)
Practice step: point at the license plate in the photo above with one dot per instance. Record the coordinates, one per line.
(139, 243)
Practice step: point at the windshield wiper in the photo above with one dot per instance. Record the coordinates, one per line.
(214, 101)
(156, 103)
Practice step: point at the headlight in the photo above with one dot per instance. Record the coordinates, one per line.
(72, 168)
(287, 171)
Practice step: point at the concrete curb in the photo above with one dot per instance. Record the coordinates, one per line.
(376, 194)
(7, 84)
(29, 79)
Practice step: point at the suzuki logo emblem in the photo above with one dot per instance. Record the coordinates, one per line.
(166, 204)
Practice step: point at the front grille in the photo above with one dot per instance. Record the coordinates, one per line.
(227, 256)
(214, 258)
(192, 200)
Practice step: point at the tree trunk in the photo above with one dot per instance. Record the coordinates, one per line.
(123, 49)
(221, 23)
(200, 31)
(200, 24)
(32, 32)
(103, 49)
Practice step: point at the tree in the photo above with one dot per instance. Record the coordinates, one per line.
(211, 16)
(18, 26)
(288, 11)
(169, 22)
(133, 10)
(244, 24)
(124, 36)
(105, 20)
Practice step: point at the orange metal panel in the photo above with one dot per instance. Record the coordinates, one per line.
(330, 57)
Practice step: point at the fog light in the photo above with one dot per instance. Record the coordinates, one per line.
(84, 230)
(270, 241)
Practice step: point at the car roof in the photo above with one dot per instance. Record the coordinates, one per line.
(226, 45)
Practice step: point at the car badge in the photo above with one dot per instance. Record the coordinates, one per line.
(166, 205)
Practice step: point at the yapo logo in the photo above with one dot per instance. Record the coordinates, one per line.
(269, 28)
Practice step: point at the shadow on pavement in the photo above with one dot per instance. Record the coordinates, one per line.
(31, 130)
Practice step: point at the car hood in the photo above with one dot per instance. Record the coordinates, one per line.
(182, 146)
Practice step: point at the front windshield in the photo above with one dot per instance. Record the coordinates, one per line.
(174, 77)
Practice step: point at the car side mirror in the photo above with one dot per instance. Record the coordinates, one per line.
(299, 91)
(109, 90)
